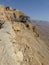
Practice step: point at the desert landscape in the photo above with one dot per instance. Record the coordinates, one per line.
(43, 29)
(22, 41)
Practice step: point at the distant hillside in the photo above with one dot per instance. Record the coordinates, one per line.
(43, 29)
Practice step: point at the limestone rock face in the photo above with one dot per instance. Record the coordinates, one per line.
(19, 44)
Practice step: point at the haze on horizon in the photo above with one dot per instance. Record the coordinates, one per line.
(36, 9)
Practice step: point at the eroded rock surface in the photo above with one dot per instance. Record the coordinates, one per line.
(19, 44)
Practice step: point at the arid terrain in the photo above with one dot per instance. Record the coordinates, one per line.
(21, 43)
(43, 30)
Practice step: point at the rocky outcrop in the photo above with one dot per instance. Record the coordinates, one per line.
(19, 44)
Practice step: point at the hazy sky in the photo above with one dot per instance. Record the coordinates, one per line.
(36, 9)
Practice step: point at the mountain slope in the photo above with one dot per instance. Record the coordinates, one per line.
(20, 43)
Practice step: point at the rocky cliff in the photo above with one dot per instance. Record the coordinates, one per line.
(20, 43)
